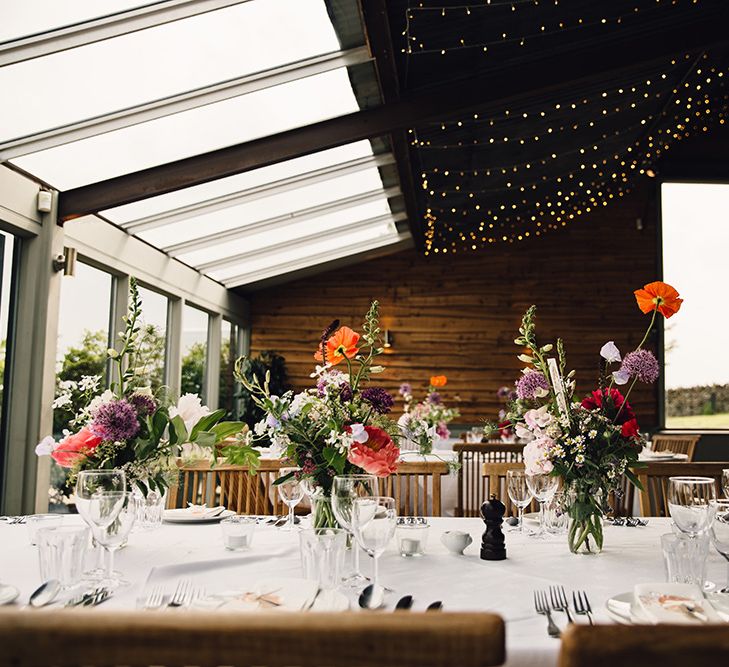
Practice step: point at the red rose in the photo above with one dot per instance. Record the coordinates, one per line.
(378, 455)
(75, 446)
(609, 402)
(630, 429)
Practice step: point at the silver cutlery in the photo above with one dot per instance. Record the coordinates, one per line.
(371, 597)
(155, 598)
(90, 598)
(435, 606)
(45, 593)
(559, 601)
(582, 605)
(404, 603)
(182, 595)
(12, 520)
(542, 606)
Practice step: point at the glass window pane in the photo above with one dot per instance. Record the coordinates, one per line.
(695, 239)
(154, 336)
(207, 128)
(8, 247)
(228, 388)
(194, 351)
(158, 62)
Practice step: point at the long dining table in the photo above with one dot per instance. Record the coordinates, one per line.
(172, 552)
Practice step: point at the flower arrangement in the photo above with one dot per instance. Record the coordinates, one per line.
(338, 427)
(590, 444)
(426, 422)
(128, 428)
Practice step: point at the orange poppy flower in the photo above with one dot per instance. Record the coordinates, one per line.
(438, 381)
(342, 344)
(658, 296)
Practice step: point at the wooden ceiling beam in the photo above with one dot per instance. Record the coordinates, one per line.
(486, 93)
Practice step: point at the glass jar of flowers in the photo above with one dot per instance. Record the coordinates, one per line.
(590, 443)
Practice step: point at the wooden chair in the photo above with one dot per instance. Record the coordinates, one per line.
(678, 444)
(494, 481)
(654, 479)
(644, 645)
(416, 487)
(231, 486)
(267, 639)
(471, 457)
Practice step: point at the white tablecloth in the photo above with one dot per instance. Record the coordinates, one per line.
(631, 555)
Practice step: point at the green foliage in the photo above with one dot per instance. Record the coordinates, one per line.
(193, 370)
(268, 367)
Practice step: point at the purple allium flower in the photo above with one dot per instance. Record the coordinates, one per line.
(115, 421)
(144, 404)
(641, 364)
(434, 398)
(530, 385)
(406, 389)
(345, 392)
(379, 399)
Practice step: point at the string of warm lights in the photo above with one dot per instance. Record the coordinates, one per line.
(460, 215)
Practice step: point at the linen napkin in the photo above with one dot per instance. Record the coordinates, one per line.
(672, 603)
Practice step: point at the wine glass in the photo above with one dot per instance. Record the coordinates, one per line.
(519, 493)
(374, 520)
(725, 481)
(123, 505)
(345, 488)
(543, 486)
(290, 491)
(719, 531)
(689, 502)
(88, 484)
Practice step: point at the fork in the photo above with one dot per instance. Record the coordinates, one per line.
(182, 594)
(155, 598)
(582, 605)
(542, 607)
(559, 601)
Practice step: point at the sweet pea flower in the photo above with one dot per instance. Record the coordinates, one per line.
(538, 419)
(46, 446)
(621, 376)
(536, 456)
(610, 352)
(359, 433)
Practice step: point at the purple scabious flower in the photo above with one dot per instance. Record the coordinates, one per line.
(406, 389)
(115, 421)
(434, 398)
(641, 364)
(504, 393)
(345, 392)
(530, 385)
(144, 404)
(379, 399)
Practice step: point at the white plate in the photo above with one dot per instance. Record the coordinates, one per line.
(532, 517)
(632, 617)
(184, 516)
(7, 594)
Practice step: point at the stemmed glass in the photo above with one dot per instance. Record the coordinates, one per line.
(374, 520)
(720, 531)
(689, 502)
(123, 506)
(543, 486)
(725, 481)
(345, 489)
(519, 493)
(291, 492)
(91, 483)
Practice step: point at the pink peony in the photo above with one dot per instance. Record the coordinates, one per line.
(378, 456)
(75, 446)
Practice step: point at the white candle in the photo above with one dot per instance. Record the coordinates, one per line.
(409, 546)
(236, 541)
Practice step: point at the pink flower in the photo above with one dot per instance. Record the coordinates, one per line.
(378, 456)
(536, 456)
(74, 447)
(538, 419)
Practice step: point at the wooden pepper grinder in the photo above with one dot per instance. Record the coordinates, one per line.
(492, 543)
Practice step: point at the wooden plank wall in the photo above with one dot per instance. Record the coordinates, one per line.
(458, 314)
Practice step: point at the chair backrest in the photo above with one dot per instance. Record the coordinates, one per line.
(266, 639)
(654, 479)
(678, 444)
(232, 486)
(416, 487)
(644, 645)
(494, 477)
(471, 484)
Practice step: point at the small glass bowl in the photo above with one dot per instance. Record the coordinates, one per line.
(412, 536)
(238, 532)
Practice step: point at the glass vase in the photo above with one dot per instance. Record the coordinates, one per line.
(322, 514)
(584, 535)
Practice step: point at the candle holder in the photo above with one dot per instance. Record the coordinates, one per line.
(412, 536)
(238, 532)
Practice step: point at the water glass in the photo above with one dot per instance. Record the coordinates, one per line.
(412, 536)
(61, 553)
(322, 555)
(719, 532)
(374, 520)
(290, 491)
(685, 558)
(689, 502)
(543, 486)
(238, 532)
(38, 521)
(150, 509)
(519, 493)
(556, 518)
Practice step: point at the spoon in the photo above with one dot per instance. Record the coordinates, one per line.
(435, 606)
(371, 597)
(45, 593)
(404, 602)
